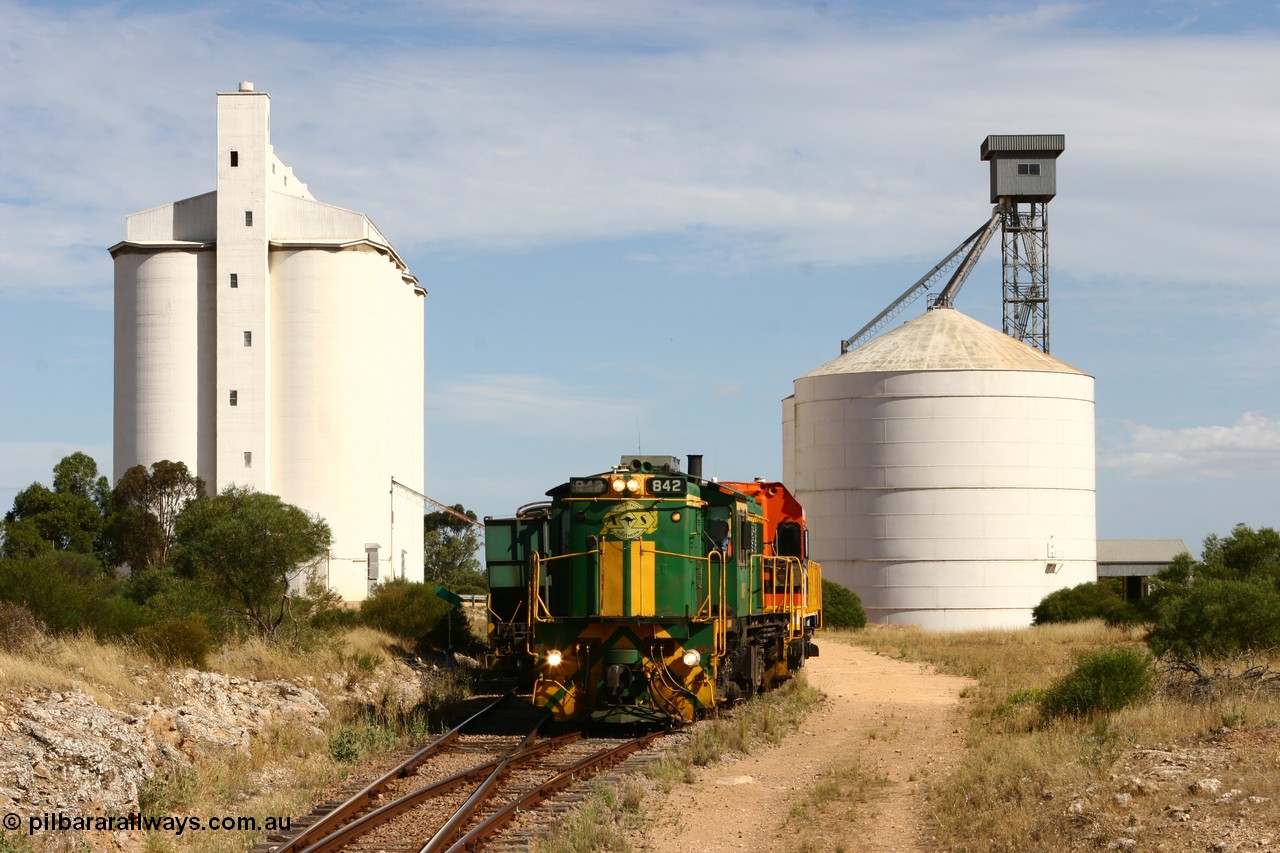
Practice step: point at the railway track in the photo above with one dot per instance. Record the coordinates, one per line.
(460, 791)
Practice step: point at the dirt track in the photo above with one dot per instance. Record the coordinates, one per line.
(900, 722)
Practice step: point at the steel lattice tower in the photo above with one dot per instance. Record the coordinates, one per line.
(1023, 181)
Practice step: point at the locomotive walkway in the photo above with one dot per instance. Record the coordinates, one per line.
(900, 722)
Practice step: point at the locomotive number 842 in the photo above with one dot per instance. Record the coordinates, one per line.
(644, 593)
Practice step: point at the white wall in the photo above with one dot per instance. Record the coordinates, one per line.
(942, 497)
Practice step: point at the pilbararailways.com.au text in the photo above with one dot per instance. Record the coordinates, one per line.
(173, 824)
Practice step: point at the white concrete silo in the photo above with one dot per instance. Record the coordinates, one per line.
(947, 473)
(272, 341)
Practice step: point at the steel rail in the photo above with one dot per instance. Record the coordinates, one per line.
(358, 801)
(454, 824)
(368, 822)
(583, 769)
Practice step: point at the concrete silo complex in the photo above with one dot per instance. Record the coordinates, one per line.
(947, 473)
(269, 340)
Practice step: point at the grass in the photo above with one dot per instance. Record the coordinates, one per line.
(114, 675)
(612, 814)
(834, 800)
(290, 765)
(1021, 766)
(605, 820)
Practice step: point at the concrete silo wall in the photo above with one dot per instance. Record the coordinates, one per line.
(162, 359)
(341, 419)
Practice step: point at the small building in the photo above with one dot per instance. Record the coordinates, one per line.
(1024, 166)
(1135, 560)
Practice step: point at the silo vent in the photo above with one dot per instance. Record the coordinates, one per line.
(246, 86)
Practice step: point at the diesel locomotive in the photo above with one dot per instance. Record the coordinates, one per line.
(648, 594)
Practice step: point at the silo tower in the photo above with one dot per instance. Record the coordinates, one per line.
(1023, 181)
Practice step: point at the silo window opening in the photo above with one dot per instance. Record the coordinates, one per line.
(235, 159)
(248, 459)
(248, 339)
(1029, 169)
(248, 217)
(234, 396)
(235, 280)
(1052, 568)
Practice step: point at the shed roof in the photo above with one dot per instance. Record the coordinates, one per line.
(1140, 550)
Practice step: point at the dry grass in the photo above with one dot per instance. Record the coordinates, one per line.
(833, 801)
(290, 765)
(353, 652)
(114, 675)
(287, 771)
(1030, 784)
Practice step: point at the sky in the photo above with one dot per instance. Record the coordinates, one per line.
(640, 222)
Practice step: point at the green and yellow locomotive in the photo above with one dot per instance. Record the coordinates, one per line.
(646, 593)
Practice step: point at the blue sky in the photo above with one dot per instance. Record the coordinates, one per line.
(639, 222)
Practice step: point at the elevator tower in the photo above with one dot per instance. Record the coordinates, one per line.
(1023, 181)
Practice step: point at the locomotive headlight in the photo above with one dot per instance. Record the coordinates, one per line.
(691, 657)
(619, 486)
(554, 658)
(633, 485)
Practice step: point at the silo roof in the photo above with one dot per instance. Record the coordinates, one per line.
(943, 339)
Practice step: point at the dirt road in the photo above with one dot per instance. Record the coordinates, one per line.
(898, 722)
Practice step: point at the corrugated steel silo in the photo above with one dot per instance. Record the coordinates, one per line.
(947, 473)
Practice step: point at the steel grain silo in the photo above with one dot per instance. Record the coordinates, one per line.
(947, 472)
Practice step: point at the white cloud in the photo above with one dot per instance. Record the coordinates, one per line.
(526, 405)
(777, 136)
(1249, 446)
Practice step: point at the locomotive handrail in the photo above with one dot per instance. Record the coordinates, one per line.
(537, 606)
(720, 634)
(706, 612)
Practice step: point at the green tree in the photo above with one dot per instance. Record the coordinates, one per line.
(1245, 553)
(249, 546)
(1226, 604)
(145, 506)
(22, 539)
(77, 474)
(449, 548)
(68, 517)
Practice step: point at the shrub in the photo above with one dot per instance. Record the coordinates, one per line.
(68, 593)
(185, 641)
(1087, 601)
(415, 613)
(841, 607)
(1101, 682)
(1218, 618)
(20, 631)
